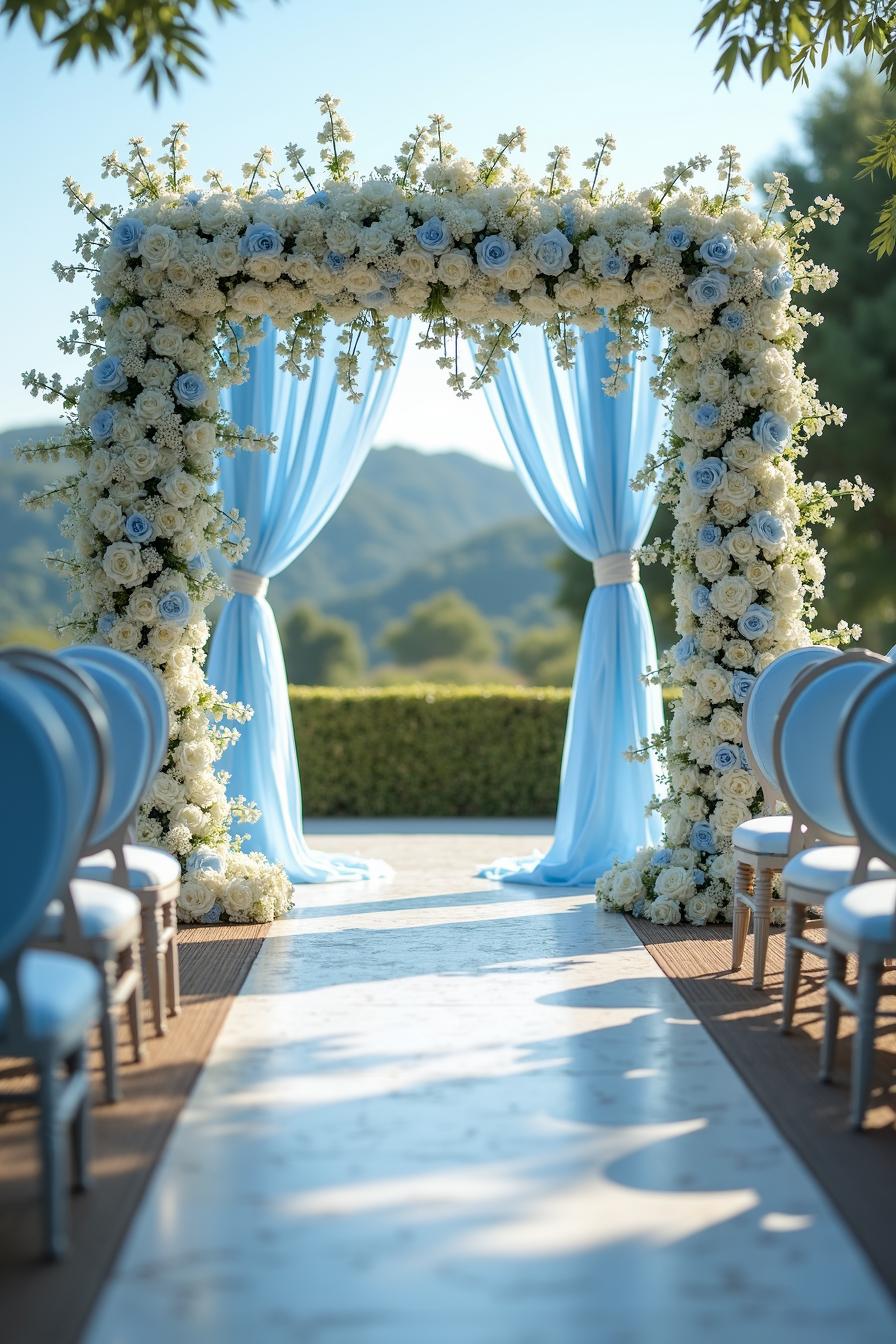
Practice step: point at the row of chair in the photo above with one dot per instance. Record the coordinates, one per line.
(820, 735)
(83, 734)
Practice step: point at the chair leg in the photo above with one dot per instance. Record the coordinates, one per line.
(52, 1151)
(793, 961)
(743, 885)
(77, 1063)
(131, 958)
(868, 992)
(762, 914)
(173, 962)
(832, 1010)
(109, 1031)
(155, 966)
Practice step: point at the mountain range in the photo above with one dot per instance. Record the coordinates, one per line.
(411, 525)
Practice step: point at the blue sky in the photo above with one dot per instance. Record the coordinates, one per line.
(567, 72)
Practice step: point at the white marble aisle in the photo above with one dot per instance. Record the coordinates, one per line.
(443, 1111)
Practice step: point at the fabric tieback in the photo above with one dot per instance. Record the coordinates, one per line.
(248, 584)
(618, 567)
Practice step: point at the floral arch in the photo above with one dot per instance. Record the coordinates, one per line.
(183, 278)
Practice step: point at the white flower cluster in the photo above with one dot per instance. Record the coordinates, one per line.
(184, 278)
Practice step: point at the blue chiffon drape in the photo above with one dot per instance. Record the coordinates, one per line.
(576, 449)
(286, 498)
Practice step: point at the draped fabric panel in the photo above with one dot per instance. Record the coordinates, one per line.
(286, 498)
(576, 449)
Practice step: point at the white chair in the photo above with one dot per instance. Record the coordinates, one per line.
(805, 753)
(93, 919)
(763, 845)
(49, 1001)
(149, 872)
(861, 919)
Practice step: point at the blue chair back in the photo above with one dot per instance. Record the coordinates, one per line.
(866, 752)
(807, 737)
(770, 689)
(891, 653)
(76, 699)
(143, 680)
(38, 784)
(130, 756)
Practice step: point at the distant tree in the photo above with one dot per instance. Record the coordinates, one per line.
(321, 650)
(445, 626)
(853, 354)
(546, 655)
(792, 37)
(446, 672)
(160, 41)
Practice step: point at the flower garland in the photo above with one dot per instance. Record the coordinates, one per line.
(183, 278)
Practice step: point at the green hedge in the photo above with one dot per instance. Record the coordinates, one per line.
(429, 751)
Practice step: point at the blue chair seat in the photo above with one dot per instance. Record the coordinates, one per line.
(107, 914)
(147, 867)
(863, 914)
(764, 835)
(61, 996)
(827, 868)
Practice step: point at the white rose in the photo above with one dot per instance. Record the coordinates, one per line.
(165, 792)
(758, 573)
(142, 606)
(731, 596)
(239, 897)
(196, 756)
(167, 341)
(736, 488)
(700, 909)
(626, 887)
(664, 911)
(152, 405)
(677, 829)
(123, 563)
(168, 519)
(729, 814)
(738, 653)
(785, 581)
(673, 883)
(725, 725)
(651, 285)
(196, 897)
(737, 785)
(713, 383)
(250, 299)
(572, 292)
(693, 806)
(713, 684)
(133, 323)
(124, 635)
(179, 488)
(100, 468)
(455, 268)
(158, 246)
(141, 459)
(711, 561)
(163, 639)
(108, 519)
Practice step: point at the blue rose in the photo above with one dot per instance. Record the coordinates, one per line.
(261, 240)
(139, 528)
(732, 319)
(175, 608)
(126, 235)
(433, 235)
(700, 602)
(109, 375)
(709, 535)
(741, 684)
(273, 194)
(335, 262)
(756, 621)
(320, 198)
(662, 857)
(106, 622)
(706, 476)
(614, 267)
(702, 837)
(493, 254)
(375, 297)
(777, 282)
(709, 289)
(699, 877)
(102, 305)
(725, 758)
(212, 916)
(551, 251)
(677, 236)
(102, 424)
(771, 431)
(190, 389)
(638, 907)
(197, 564)
(719, 250)
(706, 415)
(744, 763)
(684, 649)
(204, 859)
(193, 197)
(390, 279)
(767, 529)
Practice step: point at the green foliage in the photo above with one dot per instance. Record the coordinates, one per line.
(445, 626)
(853, 354)
(445, 672)
(546, 655)
(321, 650)
(790, 37)
(430, 751)
(160, 41)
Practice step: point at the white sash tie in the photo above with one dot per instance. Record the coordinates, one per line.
(248, 584)
(618, 567)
